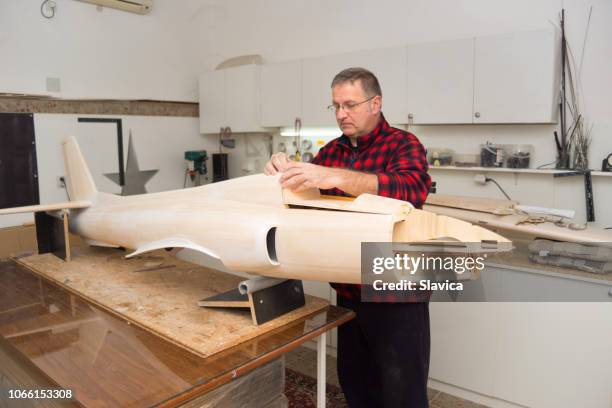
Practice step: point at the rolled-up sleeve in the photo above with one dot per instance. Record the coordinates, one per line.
(405, 176)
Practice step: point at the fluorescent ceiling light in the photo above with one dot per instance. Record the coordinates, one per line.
(310, 132)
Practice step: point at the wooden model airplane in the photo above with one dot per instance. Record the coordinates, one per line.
(248, 225)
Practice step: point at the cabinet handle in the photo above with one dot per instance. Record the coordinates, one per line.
(477, 114)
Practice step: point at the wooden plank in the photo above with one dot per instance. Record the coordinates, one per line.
(232, 298)
(66, 236)
(488, 205)
(365, 203)
(504, 223)
(46, 207)
(163, 301)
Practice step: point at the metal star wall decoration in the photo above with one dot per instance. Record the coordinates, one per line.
(135, 179)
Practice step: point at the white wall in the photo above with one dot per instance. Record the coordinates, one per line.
(160, 143)
(108, 54)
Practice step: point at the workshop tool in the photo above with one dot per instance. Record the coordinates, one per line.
(196, 165)
(225, 138)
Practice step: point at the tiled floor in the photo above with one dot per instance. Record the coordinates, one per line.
(304, 360)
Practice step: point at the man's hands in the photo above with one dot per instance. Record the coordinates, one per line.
(299, 176)
(276, 164)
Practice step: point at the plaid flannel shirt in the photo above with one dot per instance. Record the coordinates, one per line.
(399, 161)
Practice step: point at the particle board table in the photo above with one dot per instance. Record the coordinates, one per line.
(118, 347)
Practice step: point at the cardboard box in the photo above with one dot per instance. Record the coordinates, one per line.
(16, 240)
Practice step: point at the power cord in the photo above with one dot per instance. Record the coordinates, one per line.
(482, 179)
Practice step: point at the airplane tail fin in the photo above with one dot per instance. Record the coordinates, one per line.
(79, 180)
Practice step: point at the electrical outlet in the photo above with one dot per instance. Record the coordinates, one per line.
(61, 182)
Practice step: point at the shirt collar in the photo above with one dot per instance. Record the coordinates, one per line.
(365, 141)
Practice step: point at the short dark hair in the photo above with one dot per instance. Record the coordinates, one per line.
(368, 80)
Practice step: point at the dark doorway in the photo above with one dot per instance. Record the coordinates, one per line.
(18, 169)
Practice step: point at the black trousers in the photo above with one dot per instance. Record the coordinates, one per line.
(383, 354)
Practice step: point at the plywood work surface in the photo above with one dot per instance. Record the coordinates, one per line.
(160, 293)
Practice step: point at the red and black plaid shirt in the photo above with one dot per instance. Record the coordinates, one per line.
(399, 161)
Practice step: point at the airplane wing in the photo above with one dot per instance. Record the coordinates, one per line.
(46, 207)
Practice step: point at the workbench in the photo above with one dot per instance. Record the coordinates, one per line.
(129, 332)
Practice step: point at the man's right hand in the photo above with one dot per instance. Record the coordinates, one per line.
(277, 163)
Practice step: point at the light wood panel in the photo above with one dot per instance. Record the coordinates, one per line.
(509, 223)
(489, 205)
(46, 207)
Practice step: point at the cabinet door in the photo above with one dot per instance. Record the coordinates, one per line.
(281, 94)
(554, 354)
(317, 75)
(212, 101)
(242, 98)
(387, 64)
(516, 77)
(463, 344)
(440, 82)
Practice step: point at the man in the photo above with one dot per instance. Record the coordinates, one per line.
(383, 354)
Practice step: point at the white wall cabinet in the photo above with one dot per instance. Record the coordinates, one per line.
(516, 77)
(389, 66)
(230, 97)
(463, 345)
(440, 82)
(521, 346)
(281, 94)
(510, 78)
(317, 75)
(212, 101)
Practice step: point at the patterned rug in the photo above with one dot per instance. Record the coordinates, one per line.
(301, 391)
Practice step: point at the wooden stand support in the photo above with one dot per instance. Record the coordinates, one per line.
(52, 234)
(265, 304)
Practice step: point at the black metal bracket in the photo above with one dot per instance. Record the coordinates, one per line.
(52, 234)
(588, 190)
(264, 304)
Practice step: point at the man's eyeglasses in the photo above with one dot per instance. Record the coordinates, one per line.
(347, 107)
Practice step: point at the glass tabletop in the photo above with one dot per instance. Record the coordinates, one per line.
(106, 361)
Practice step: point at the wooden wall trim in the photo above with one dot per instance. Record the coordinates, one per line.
(41, 104)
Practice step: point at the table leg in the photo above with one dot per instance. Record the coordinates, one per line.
(321, 369)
